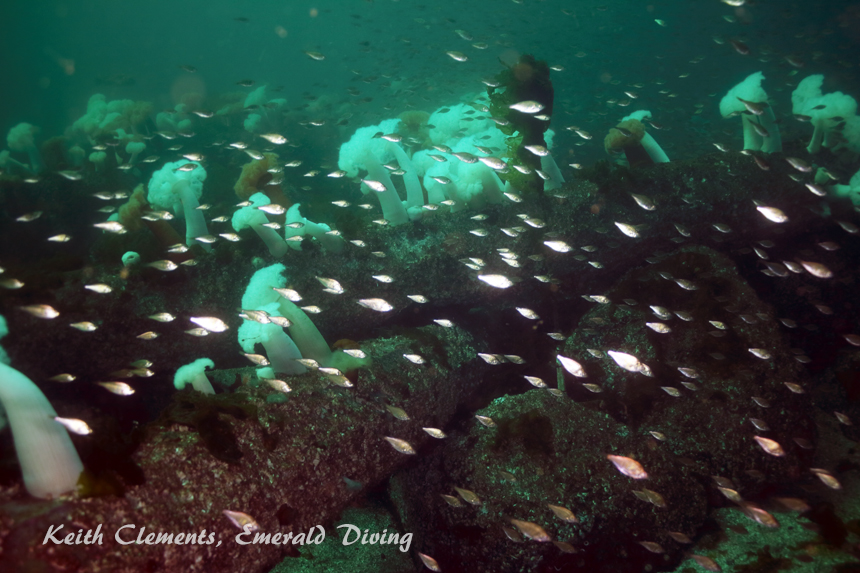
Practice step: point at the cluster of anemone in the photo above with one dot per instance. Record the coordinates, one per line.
(749, 101)
(833, 116)
(265, 114)
(301, 340)
(22, 138)
(451, 163)
(49, 462)
(117, 121)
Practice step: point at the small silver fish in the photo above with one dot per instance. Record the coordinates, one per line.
(398, 413)
(558, 246)
(771, 447)
(74, 425)
(260, 316)
(187, 167)
(26, 218)
(538, 150)
(401, 446)
(163, 265)
(572, 366)
(163, 317)
(528, 313)
(628, 466)
(272, 209)
(331, 285)
(497, 281)
(531, 530)
(468, 496)
(242, 520)
(377, 186)
(278, 385)
(527, 106)
(288, 294)
(355, 352)
(772, 214)
(429, 562)
(111, 227)
(210, 323)
(376, 304)
(280, 321)
(817, 269)
(118, 388)
(628, 362)
(41, 311)
(643, 201)
(257, 359)
(627, 229)
(563, 513)
(275, 138)
(491, 359)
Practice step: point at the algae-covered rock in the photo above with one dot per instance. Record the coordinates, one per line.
(545, 450)
(291, 465)
(526, 80)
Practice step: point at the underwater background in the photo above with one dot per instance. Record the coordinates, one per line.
(497, 285)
